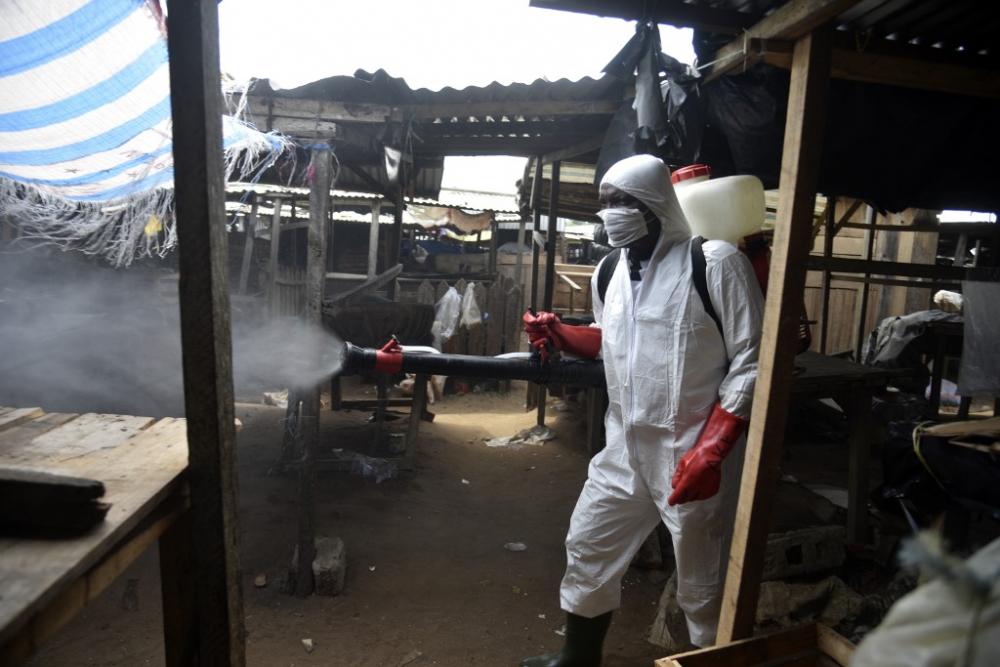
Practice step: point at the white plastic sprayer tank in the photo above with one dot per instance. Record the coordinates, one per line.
(725, 209)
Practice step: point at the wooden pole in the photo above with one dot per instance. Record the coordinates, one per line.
(272, 293)
(251, 226)
(319, 201)
(550, 241)
(373, 239)
(550, 267)
(196, 107)
(862, 310)
(396, 239)
(828, 234)
(536, 215)
(793, 231)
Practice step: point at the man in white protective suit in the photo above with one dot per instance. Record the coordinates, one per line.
(680, 375)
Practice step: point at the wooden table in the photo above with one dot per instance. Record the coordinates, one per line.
(140, 460)
(851, 385)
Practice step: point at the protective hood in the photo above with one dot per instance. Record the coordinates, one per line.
(647, 179)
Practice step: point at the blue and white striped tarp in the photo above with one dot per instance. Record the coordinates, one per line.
(85, 129)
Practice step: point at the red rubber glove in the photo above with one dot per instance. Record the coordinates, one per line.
(545, 329)
(699, 473)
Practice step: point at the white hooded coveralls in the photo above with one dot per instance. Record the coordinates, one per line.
(666, 366)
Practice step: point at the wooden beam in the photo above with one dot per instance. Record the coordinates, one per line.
(894, 68)
(373, 238)
(580, 148)
(527, 108)
(849, 265)
(800, 165)
(269, 109)
(319, 201)
(829, 233)
(251, 224)
(788, 22)
(369, 180)
(861, 318)
(273, 255)
(671, 12)
(200, 195)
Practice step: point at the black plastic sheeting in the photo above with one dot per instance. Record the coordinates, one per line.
(894, 147)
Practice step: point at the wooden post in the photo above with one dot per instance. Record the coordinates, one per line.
(828, 234)
(176, 566)
(800, 165)
(535, 391)
(395, 240)
(536, 215)
(373, 239)
(550, 242)
(550, 267)
(519, 265)
(494, 233)
(272, 293)
(862, 310)
(251, 226)
(859, 410)
(206, 345)
(319, 200)
(417, 409)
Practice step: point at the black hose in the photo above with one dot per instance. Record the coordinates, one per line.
(574, 372)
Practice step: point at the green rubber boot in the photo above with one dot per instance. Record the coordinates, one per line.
(584, 641)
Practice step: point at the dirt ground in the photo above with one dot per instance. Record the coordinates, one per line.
(427, 568)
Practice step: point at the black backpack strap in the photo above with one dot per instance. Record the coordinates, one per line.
(699, 270)
(606, 270)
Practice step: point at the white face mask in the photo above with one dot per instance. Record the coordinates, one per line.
(623, 225)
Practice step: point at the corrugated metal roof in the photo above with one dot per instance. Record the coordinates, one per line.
(496, 119)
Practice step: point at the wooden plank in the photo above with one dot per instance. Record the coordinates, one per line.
(46, 622)
(177, 591)
(588, 145)
(477, 332)
(371, 284)
(15, 438)
(248, 237)
(264, 108)
(319, 202)
(831, 643)
(791, 20)
(419, 406)
(495, 307)
(18, 416)
(138, 470)
(536, 217)
(425, 293)
(861, 316)
(373, 238)
(206, 341)
(440, 288)
(846, 265)
(765, 650)
(797, 191)
(272, 292)
(550, 247)
(512, 320)
(511, 108)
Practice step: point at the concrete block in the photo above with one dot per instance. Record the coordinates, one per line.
(803, 551)
(330, 566)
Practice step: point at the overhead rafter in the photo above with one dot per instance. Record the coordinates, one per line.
(672, 12)
(267, 110)
(792, 20)
(888, 65)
